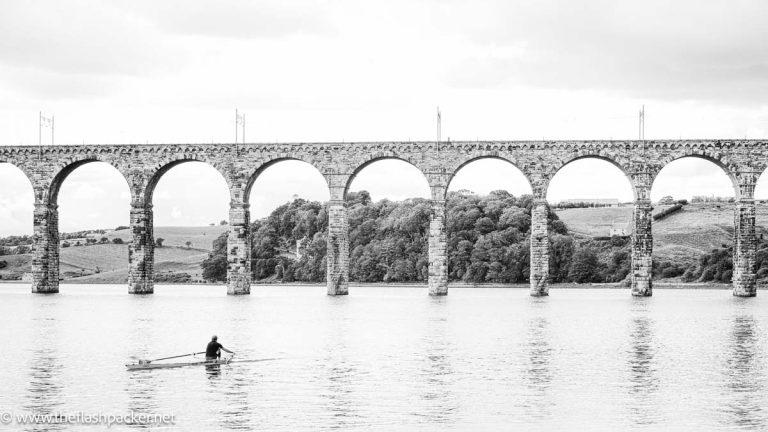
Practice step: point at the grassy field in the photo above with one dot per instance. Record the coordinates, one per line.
(591, 222)
(111, 260)
(201, 237)
(681, 237)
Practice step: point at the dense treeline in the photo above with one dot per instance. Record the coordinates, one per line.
(488, 241)
(667, 211)
(15, 240)
(715, 266)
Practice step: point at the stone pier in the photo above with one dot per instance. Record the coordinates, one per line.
(141, 250)
(642, 249)
(239, 249)
(744, 249)
(539, 275)
(45, 248)
(337, 253)
(438, 258)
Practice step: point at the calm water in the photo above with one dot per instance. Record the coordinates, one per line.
(392, 358)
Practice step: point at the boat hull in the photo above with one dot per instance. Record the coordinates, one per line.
(144, 366)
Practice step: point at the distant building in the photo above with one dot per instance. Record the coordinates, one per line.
(595, 202)
(619, 229)
(667, 200)
(618, 232)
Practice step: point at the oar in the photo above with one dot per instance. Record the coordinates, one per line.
(173, 357)
(256, 360)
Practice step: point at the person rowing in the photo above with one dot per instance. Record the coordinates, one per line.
(214, 348)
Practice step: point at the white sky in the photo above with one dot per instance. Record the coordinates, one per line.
(174, 71)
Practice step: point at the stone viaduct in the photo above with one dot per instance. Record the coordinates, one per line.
(143, 165)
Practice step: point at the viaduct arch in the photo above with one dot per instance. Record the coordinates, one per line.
(142, 165)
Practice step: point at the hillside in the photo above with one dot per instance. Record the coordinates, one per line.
(111, 260)
(201, 237)
(592, 222)
(680, 237)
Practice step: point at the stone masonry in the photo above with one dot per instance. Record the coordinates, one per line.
(239, 249)
(143, 165)
(141, 250)
(642, 247)
(539, 249)
(438, 255)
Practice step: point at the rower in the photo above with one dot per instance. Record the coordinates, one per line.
(213, 350)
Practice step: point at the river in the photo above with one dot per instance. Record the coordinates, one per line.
(390, 358)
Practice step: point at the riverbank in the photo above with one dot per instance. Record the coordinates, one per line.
(613, 286)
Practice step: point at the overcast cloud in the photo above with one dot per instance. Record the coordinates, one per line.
(174, 71)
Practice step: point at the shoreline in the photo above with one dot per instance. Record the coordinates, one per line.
(611, 286)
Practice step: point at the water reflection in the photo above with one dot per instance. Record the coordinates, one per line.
(45, 389)
(338, 375)
(339, 403)
(44, 393)
(238, 413)
(141, 386)
(538, 374)
(744, 375)
(437, 376)
(643, 374)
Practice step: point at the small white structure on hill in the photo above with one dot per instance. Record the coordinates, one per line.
(618, 232)
(619, 229)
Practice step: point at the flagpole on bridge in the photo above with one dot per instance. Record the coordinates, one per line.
(43, 121)
(239, 121)
(641, 126)
(439, 126)
(40, 136)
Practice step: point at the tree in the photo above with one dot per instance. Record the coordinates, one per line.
(189, 244)
(584, 266)
(560, 257)
(488, 240)
(223, 222)
(104, 240)
(117, 240)
(159, 242)
(215, 266)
